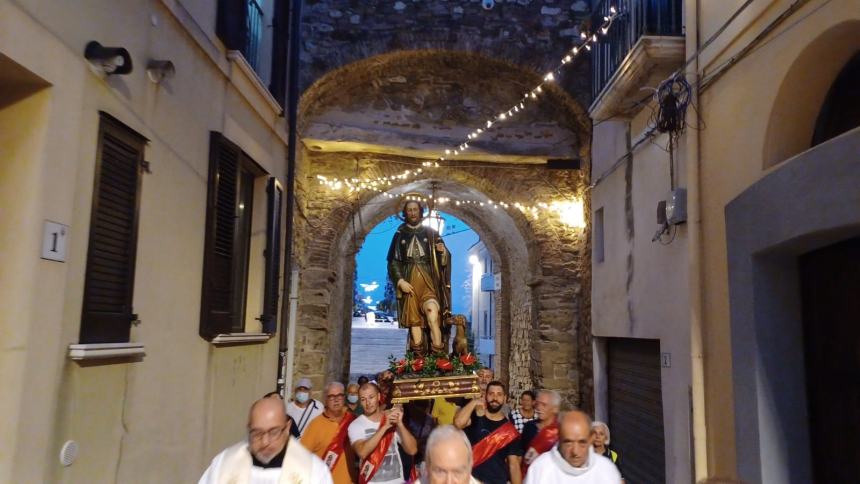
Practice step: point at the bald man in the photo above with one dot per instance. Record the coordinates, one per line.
(269, 455)
(573, 460)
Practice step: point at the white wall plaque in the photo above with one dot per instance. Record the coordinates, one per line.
(54, 241)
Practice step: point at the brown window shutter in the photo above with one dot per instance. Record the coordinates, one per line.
(109, 281)
(273, 255)
(219, 304)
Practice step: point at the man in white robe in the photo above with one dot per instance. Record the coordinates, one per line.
(573, 460)
(270, 455)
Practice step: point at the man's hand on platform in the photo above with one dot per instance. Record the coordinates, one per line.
(396, 415)
(404, 286)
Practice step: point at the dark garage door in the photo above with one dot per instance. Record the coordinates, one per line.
(636, 409)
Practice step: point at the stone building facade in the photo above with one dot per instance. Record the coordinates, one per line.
(390, 85)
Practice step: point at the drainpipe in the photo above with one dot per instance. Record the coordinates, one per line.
(693, 156)
(288, 316)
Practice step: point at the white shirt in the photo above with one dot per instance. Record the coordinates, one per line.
(234, 465)
(302, 416)
(391, 469)
(551, 467)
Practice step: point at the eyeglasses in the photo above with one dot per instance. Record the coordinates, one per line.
(273, 434)
(335, 396)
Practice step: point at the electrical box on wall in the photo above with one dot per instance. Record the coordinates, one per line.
(676, 206)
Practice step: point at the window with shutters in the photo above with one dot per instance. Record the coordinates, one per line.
(241, 267)
(109, 281)
(259, 30)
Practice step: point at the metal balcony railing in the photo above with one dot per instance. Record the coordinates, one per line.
(254, 34)
(637, 18)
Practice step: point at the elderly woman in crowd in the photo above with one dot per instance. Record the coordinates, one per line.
(601, 444)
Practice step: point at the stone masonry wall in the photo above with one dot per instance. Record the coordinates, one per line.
(533, 34)
(545, 266)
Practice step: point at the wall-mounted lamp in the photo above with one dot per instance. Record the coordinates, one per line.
(473, 259)
(159, 70)
(111, 60)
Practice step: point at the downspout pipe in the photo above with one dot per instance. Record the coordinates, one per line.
(287, 314)
(697, 350)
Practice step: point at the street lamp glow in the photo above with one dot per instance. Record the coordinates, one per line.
(473, 259)
(434, 221)
(570, 212)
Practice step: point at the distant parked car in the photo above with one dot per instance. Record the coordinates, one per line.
(382, 317)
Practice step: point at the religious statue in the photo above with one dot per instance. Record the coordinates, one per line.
(420, 269)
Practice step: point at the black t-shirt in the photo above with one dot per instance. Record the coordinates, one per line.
(495, 469)
(530, 431)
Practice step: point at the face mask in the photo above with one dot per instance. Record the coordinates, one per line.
(302, 397)
(352, 398)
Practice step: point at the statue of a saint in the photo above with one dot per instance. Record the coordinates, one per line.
(419, 266)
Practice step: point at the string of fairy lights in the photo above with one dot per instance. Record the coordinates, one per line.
(569, 211)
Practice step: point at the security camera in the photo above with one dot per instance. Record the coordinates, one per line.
(111, 60)
(488, 4)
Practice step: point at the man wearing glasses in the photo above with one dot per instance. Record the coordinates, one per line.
(327, 437)
(269, 455)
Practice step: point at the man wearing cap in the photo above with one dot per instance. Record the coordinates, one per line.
(302, 408)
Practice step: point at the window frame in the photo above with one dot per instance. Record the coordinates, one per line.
(104, 329)
(248, 173)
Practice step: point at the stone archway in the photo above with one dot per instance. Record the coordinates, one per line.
(360, 123)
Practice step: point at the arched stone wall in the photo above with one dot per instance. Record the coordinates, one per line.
(527, 33)
(421, 102)
(370, 119)
(545, 266)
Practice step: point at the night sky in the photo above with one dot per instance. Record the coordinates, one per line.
(372, 266)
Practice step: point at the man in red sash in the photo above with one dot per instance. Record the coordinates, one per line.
(375, 437)
(326, 435)
(496, 449)
(542, 434)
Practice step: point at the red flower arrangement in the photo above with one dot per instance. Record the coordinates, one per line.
(468, 359)
(414, 366)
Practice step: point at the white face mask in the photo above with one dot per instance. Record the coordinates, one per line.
(302, 397)
(352, 398)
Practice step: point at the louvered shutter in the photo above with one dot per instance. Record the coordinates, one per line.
(636, 409)
(273, 256)
(109, 280)
(231, 23)
(219, 304)
(280, 51)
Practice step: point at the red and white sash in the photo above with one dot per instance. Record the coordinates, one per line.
(336, 447)
(369, 466)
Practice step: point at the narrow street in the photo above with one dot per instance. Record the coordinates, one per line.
(371, 345)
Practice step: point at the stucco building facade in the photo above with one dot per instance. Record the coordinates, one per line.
(720, 301)
(108, 357)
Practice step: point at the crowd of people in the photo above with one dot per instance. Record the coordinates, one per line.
(355, 435)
